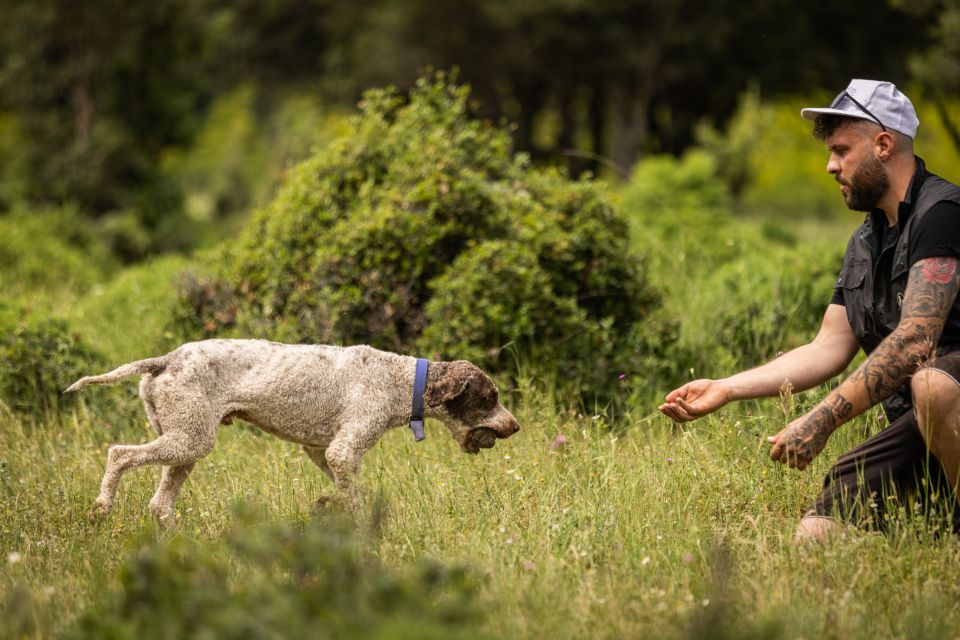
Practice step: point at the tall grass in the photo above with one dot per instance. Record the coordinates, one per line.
(575, 527)
(643, 531)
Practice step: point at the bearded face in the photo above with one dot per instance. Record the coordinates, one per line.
(866, 186)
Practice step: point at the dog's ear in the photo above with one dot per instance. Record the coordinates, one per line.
(446, 382)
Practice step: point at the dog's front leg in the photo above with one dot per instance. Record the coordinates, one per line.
(343, 459)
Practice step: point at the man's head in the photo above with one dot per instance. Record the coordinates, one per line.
(868, 129)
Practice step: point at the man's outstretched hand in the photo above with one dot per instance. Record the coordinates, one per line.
(694, 400)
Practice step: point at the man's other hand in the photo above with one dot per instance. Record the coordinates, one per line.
(801, 440)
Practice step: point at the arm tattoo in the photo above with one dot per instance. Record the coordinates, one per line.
(810, 437)
(931, 287)
(931, 291)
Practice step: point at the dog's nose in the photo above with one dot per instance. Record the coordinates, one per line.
(509, 428)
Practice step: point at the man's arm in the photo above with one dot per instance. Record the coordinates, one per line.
(802, 368)
(931, 291)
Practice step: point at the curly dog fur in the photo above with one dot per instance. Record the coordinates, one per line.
(334, 401)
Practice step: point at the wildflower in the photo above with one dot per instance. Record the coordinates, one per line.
(622, 376)
(669, 459)
(688, 558)
(645, 561)
(13, 557)
(558, 442)
(528, 565)
(705, 601)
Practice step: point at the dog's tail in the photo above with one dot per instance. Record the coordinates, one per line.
(152, 366)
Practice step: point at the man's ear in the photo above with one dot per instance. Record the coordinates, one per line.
(883, 145)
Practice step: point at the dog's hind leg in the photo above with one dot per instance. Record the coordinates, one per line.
(146, 395)
(190, 431)
(161, 505)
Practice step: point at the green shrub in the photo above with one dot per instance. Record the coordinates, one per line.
(315, 580)
(680, 210)
(49, 252)
(39, 358)
(421, 230)
(754, 307)
(127, 318)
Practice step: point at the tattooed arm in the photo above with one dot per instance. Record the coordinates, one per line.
(802, 368)
(931, 291)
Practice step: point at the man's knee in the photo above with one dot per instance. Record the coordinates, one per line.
(820, 529)
(936, 399)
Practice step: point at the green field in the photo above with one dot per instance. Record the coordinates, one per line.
(634, 529)
(654, 531)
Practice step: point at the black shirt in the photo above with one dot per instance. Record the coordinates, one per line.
(938, 235)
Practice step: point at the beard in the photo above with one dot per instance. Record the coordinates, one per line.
(867, 185)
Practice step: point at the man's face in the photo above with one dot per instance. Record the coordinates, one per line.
(853, 163)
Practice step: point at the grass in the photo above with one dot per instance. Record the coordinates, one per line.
(640, 529)
(650, 531)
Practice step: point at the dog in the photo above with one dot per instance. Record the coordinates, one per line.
(335, 402)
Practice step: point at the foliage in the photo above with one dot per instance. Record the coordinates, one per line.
(312, 580)
(938, 67)
(741, 291)
(49, 251)
(734, 151)
(420, 229)
(126, 317)
(99, 104)
(679, 208)
(39, 358)
(764, 303)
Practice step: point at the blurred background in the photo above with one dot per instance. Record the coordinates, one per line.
(594, 200)
(135, 136)
(163, 121)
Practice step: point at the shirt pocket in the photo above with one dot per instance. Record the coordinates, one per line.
(853, 275)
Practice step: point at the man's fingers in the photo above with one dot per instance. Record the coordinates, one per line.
(687, 407)
(675, 413)
(776, 452)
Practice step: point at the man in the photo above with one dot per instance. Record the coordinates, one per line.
(896, 298)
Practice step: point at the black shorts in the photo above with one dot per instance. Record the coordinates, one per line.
(891, 471)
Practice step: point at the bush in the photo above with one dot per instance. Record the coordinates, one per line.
(314, 580)
(760, 305)
(146, 292)
(39, 358)
(49, 251)
(421, 230)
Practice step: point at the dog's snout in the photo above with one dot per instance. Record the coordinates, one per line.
(508, 427)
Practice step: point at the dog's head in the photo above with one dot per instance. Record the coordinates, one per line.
(467, 401)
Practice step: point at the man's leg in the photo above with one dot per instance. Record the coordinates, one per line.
(814, 528)
(857, 488)
(936, 398)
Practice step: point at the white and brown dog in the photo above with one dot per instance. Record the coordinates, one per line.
(334, 401)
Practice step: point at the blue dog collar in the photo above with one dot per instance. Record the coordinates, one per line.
(419, 386)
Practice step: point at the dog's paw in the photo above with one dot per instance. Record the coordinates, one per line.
(99, 511)
(165, 518)
(327, 504)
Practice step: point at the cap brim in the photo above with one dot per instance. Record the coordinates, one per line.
(811, 114)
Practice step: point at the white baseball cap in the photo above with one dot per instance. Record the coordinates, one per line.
(872, 100)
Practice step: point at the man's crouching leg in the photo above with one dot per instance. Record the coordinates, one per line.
(814, 528)
(936, 400)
